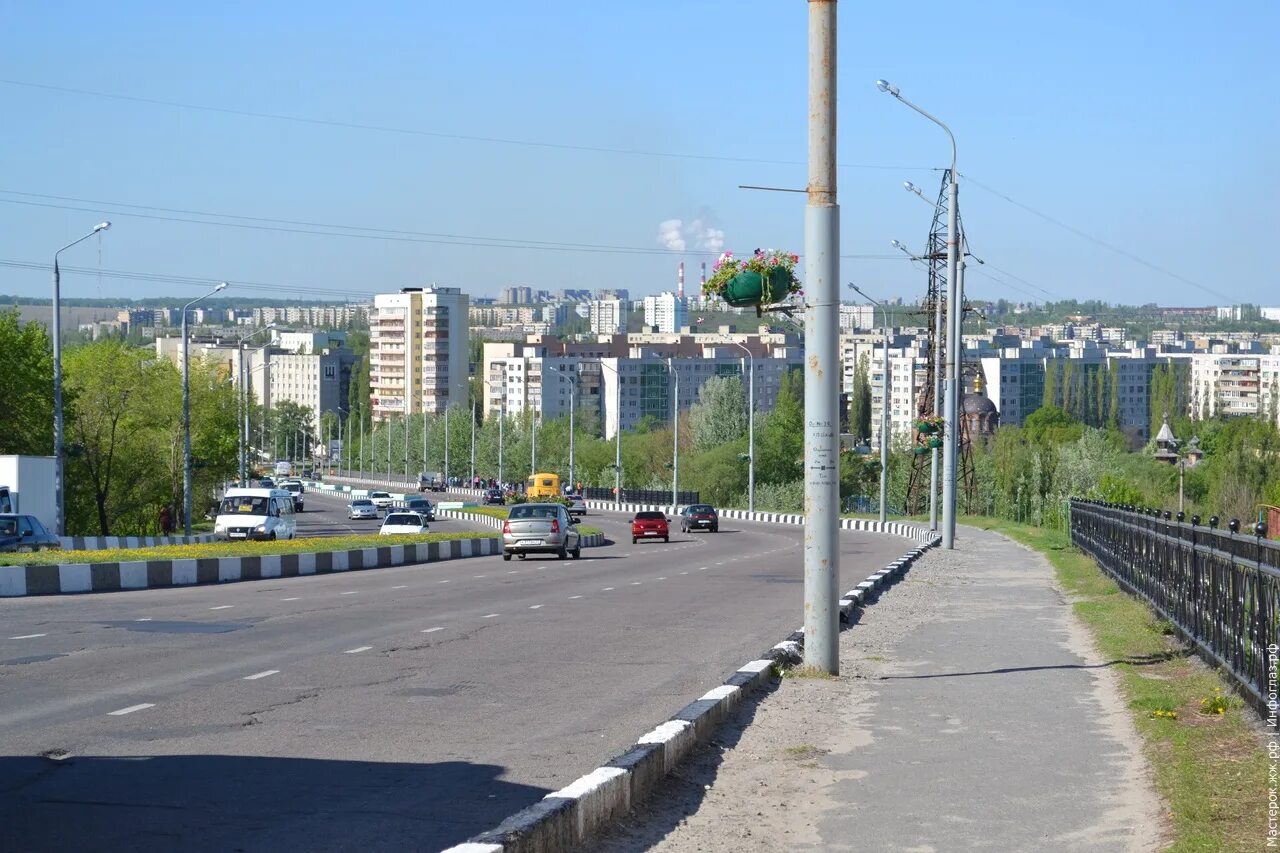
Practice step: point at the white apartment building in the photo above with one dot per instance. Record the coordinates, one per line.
(306, 342)
(1233, 385)
(418, 351)
(318, 381)
(607, 316)
(857, 317)
(666, 312)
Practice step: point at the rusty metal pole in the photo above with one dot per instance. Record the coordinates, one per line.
(822, 356)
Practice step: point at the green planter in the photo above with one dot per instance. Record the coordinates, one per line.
(935, 442)
(751, 288)
(920, 451)
(926, 427)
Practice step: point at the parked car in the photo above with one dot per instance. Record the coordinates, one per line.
(577, 506)
(381, 500)
(400, 523)
(25, 533)
(421, 506)
(294, 487)
(361, 508)
(494, 497)
(699, 517)
(540, 528)
(649, 525)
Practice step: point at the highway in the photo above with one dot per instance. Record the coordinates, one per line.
(398, 708)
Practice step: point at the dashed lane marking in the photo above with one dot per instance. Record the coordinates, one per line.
(572, 597)
(223, 607)
(401, 586)
(635, 583)
(131, 709)
(28, 636)
(357, 650)
(262, 674)
(608, 589)
(535, 606)
(432, 630)
(350, 592)
(143, 619)
(295, 598)
(490, 615)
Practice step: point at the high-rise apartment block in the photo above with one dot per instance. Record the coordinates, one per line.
(666, 312)
(418, 351)
(607, 316)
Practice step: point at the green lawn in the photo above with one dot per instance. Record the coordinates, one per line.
(1209, 768)
(231, 549)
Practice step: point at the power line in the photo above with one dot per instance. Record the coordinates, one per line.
(435, 134)
(184, 280)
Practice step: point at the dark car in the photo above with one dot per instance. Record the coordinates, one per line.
(421, 506)
(649, 525)
(699, 517)
(25, 533)
(493, 497)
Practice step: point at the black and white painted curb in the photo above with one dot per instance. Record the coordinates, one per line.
(103, 543)
(570, 816)
(64, 578)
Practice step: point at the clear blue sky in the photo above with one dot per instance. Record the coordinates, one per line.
(1151, 126)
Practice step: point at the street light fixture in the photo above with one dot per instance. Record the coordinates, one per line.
(186, 413)
(617, 436)
(951, 434)
(675, 436)
(59, 520)
(243, 399)
(884, 409)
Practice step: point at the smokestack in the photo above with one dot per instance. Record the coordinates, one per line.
(702, 281)
(680, 282)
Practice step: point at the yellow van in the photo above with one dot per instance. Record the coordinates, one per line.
(543, 486)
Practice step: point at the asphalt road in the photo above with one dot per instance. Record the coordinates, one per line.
(402, 708)
(325, 514)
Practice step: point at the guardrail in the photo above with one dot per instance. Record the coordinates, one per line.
(1220, 589)
(639, 496)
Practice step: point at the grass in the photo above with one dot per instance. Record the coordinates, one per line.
(231, 549)
(1209, 763)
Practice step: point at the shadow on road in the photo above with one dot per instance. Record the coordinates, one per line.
(229, 802)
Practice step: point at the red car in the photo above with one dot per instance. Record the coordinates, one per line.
(649, 525)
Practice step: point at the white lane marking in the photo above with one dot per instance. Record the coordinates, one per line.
(608, 589)
(490, 615)
(479, 576)
(635, 583)
(516, 572)
(661, 579)
(401, 586)
(28, 636)
(131, 709)
(684, 573)
(295, 598)
(432, 630)
(572, 597)
(143, 619)
(223, 607)
(262, 674)
(702, 568)
(350, 592)
(534, 606)
(444, 581)
(357, 650)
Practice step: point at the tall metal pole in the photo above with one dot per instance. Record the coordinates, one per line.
(186, 416)
(822, 357)
(751, 429)
(675, 436)
(938, 369)
(884, 408)
(362, 441)
(533, 442)
(471, 476)
(617, 447)
(241, 405)
(573, 404)
(501, 426)
(59, 516)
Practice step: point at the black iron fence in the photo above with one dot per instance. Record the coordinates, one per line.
(640, 496)
(1219, 588)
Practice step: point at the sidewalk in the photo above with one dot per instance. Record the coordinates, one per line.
(971, 712)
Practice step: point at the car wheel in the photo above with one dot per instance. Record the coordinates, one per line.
(272, 537)
(634, 540)
(522, 556)
(577, 552)
(562, 553)
(666, 538)
(506, 556)
(715, 528)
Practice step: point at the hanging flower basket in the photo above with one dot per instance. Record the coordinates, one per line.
(765, 278)
(934, 441)
(920, 450)
(929, 426)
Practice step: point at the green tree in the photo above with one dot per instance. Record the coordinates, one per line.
(26, 418)
(720, 415)
(860, 402)
(780, 441)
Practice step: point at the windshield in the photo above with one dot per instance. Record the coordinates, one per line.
(650, 516)
(379, 495)
(404, 519)
(700, 508)
(244, 506)
(362, 502)
(527, 511)
(296, 488)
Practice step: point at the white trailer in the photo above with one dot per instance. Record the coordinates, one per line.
(26, 486)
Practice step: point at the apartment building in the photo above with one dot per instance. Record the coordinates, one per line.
(1234, 385)
(418, 351)
(607, 316)
(666, 312)
(319, 381)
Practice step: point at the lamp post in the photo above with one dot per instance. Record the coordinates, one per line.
(951, 434)
(501, 426)
(884, 410)
(751, 428)
(573, 405)
(617, 437)
(675, 436)
(243, 399)
(446, 447)
(59, 522)
(186, 415)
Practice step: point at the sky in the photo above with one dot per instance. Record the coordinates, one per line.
(1114, 151)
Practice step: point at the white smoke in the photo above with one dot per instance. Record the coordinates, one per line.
(700, 234)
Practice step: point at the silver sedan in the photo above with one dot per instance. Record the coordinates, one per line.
(362, 508)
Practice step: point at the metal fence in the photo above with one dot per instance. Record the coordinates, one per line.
(1219, 588)
(640, 496)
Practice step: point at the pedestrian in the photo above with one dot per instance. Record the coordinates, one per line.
(166, 520)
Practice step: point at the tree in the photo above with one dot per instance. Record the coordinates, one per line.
(780, 445)
(26, 418)
(720, 415)
(860, 402)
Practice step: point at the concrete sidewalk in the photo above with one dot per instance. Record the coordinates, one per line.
(972, 712)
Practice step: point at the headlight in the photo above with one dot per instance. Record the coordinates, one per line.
(219, 528)
(262, 528)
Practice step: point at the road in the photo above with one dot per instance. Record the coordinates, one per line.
(325, 514)
(407, 707)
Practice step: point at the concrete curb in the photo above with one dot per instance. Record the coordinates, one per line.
(63, 578)
(570, 816)
(102, 543)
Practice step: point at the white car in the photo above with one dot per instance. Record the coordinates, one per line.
(400, 523)
(577, 506)
(381, 500)
(361, 508)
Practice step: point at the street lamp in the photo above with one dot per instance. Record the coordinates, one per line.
(675, 436)
(751, 429)
(59, 522)
(244, 400)
(884, 409)
(186, 414)
(617, 437)
(573, 405)
(951, 434)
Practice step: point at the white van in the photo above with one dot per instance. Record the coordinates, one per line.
(256, 514)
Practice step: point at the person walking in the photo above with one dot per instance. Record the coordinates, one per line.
(166, 520)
